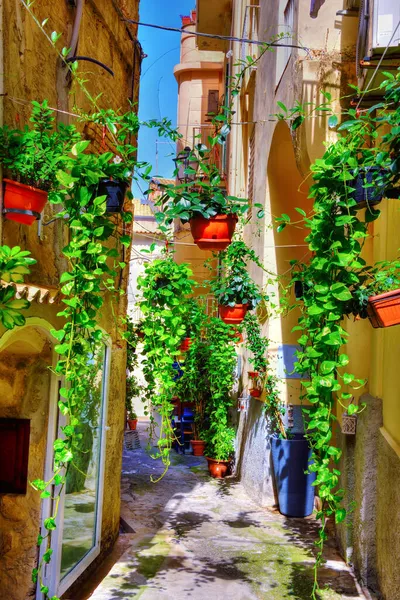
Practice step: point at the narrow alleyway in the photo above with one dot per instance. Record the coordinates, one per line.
(198, 538)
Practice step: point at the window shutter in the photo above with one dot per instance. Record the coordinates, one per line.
(213, 102)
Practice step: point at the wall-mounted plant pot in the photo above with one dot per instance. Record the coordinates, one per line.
(132, 424)
(233, 315)
(384, 309)
(115, 191)
(255, 393)
(23, 203)
(367, 196)
(349, 424)
(290, 460)
(214, 233)
(187, 342)
(198, 447)
(218, 468)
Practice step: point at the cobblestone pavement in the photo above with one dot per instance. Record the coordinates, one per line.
(194, 538)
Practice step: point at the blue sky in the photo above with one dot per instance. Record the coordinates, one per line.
(158, 88)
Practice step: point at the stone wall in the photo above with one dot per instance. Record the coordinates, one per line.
(32, 71)
(362, 468)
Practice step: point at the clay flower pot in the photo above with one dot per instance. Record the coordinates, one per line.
(233, 315)
(214, 233)
(23, 203)
(115, 191)
(218, 468)
(255, 393)
(132, 424)
(384, 309)
(198, 447)
(237, 336)
(252, 374)
(187, 342)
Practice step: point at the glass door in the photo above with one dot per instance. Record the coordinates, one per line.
(76, 541)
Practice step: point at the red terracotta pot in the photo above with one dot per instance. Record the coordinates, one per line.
(19, 198)
(218, 468)
(384, 309)
(233, 315)
(214, 233)
(198, 447)
(187, 342)
(132, 424)
(252, 374)
(255, 393)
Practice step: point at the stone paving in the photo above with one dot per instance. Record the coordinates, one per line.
(193, 538)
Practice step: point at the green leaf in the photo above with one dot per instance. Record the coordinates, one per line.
(80, 147)
(332, 121)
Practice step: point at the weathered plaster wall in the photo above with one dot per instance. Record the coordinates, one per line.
(24, 392)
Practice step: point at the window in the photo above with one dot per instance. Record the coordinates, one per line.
(285, 26)
(213, 102)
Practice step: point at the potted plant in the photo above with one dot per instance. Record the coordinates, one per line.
(202, 202)
(118, 166)
(377, 296)
(132, 420)
(291, 456)
(258, 347)
(219, 448)
(235, 290)
(31, 159)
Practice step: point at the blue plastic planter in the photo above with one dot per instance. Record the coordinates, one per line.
(290, 460)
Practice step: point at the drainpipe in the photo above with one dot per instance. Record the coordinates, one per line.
(75, 30)
(1, 111)
(62, 78)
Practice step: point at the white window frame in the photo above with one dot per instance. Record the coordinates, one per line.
(52, 570)
(285, 25)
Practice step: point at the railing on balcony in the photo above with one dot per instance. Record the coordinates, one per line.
(250, 31)
(201, 135)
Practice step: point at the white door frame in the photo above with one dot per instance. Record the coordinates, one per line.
(52, 570)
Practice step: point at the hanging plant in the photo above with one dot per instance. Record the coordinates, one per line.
(235, 291)
(165, 310)
(31, 158)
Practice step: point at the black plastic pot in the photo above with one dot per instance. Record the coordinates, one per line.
(368, 196)
(115, 191)
(290, 460)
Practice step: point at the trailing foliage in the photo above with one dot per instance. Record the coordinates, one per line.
(234, 285)
(337, 281)
(165, 287)
(14, 264)
(220, 366)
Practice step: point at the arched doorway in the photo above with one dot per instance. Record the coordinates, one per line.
(287, 190)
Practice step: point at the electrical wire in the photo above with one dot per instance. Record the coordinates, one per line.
(218, 37)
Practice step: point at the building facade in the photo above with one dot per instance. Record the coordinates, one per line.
(88, 515)
(319, 48)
